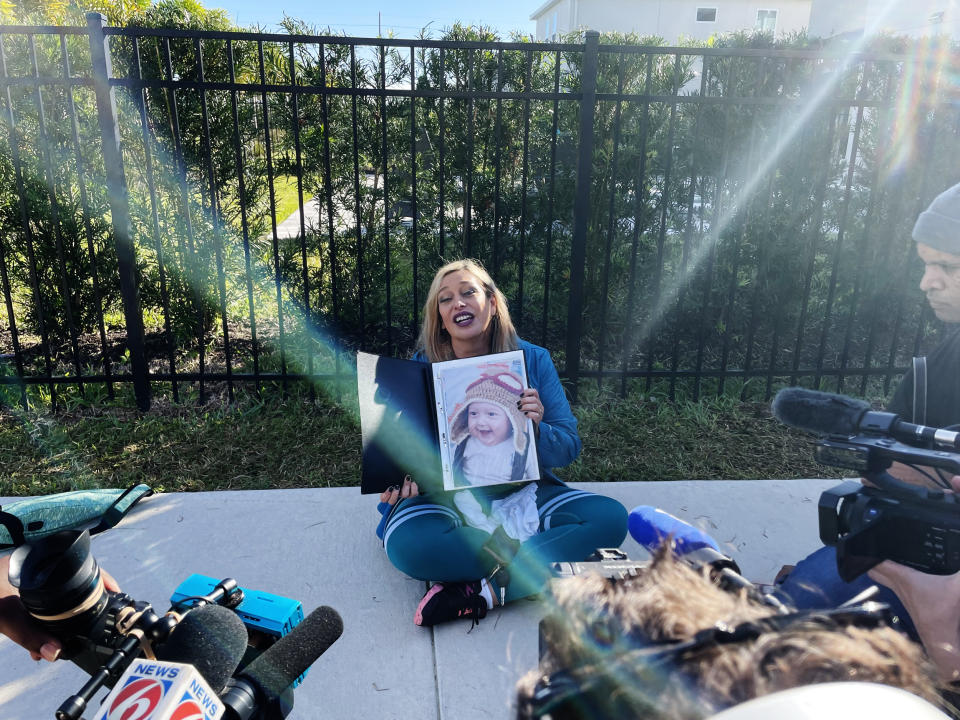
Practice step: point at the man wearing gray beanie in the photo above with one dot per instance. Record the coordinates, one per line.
(937, 234)
(932, 602)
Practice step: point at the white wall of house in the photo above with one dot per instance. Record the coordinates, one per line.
(670, 19)
(916, 18)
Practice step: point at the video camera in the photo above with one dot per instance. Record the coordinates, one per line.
(889, 519)
(104, 632)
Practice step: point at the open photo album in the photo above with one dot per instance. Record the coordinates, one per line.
(448, 425)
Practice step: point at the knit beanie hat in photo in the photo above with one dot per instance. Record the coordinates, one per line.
(502, 389)
(939, 225)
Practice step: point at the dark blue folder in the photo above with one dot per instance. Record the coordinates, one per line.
(398, 423)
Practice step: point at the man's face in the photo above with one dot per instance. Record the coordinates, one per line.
(941, 282)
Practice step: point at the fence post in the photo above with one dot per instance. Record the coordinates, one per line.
(581, 208)
(119, 204)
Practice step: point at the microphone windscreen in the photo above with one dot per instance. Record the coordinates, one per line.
(651, 526)
(818, 412)
(288, 658)
(212, 639)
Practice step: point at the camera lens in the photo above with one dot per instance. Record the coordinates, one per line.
(59, 581)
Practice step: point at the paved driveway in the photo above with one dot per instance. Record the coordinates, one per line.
(318, 546)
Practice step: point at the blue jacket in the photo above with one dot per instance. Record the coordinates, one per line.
(558, 443)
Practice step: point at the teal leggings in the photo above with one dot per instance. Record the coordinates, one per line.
(427, 539)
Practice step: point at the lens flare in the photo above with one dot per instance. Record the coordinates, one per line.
(813, 100)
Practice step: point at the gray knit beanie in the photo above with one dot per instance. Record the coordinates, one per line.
(939, 225)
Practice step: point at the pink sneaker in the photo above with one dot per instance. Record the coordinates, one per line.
(448, 601)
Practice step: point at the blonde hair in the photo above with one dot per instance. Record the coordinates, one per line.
(434, 341)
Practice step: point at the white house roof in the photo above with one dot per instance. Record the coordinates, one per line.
(550, 3)
(543, 8)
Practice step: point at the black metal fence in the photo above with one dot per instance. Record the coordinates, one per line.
(669, 220)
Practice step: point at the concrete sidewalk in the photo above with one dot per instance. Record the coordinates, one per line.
(289, 227)
(318, 546)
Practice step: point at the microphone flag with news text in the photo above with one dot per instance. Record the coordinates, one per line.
(161, 690)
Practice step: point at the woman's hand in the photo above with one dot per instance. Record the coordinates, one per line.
(17, 625)
(395, 494)
(108, 582)
(530, 405)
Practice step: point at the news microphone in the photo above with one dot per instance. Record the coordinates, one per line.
(264, 680)
(824, 413)
(212, 639)
(651, 526)
(819, 412)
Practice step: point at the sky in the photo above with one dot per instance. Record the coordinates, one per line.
(360, 17)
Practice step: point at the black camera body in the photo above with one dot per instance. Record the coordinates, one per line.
(62, 588)
(101, 631)
(889, 519)
(868, 525)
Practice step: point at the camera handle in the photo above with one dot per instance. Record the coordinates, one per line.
(898, 488)
(146, 628)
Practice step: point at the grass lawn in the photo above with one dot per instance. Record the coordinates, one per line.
(286, 198)
(277, 443)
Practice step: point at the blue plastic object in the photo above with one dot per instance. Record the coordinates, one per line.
(650, 526)
(268, 613)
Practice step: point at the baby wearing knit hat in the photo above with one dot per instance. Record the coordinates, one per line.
(490, 431)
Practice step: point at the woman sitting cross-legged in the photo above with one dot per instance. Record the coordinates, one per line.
(484, 546)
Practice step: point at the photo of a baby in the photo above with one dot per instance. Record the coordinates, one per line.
(489, 436)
